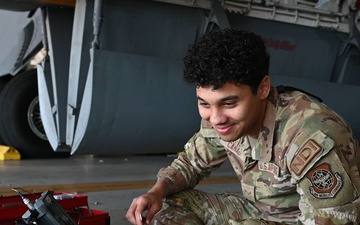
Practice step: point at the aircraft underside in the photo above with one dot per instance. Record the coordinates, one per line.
(111, 82)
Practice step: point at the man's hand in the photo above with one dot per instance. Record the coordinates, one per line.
(150, 202)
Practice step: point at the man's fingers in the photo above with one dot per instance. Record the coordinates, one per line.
(130, 215)
(149, 216)
(134, 212)
(139, 218)
(151, 213)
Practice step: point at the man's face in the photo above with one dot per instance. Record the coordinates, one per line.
(233, 110)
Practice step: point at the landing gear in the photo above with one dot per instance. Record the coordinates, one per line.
(20, 119)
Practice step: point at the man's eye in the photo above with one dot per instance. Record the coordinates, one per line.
(204, 104)
(229, 104)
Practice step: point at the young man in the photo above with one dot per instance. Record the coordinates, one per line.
(297, 161)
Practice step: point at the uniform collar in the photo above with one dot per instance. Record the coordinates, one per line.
(263, 149)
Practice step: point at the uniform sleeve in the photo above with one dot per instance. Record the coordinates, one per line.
(327, 178)
(202, 154)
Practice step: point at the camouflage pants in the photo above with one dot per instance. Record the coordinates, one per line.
(194, 207)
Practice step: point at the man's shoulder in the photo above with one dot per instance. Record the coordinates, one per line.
(297, 111)
(297, 102)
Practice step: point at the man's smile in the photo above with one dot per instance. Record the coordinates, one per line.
(223, 130)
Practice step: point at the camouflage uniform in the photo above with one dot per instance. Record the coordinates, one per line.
(303, 169)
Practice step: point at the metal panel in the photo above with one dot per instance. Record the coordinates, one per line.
(296, 51)
(137, 91)
(74, 68)
(149, 28)
(142, 103)
(20, 38)
(59, 23)
(47, 115)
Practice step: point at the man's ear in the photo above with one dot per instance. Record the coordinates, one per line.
(264, 87)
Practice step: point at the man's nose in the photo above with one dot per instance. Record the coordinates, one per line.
(217, 117)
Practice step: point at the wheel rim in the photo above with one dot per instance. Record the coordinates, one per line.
(34, 119)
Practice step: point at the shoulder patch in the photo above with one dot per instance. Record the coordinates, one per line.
(304, 156)
(324, 183)
(327, 184)
(305, 151)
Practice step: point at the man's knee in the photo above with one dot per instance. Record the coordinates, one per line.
(253, 222)
(175, 215)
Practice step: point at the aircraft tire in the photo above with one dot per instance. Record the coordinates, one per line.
(3, 81)
(16, 99)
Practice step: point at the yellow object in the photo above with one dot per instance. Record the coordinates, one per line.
(9, 153)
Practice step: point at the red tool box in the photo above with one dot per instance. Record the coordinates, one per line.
(76, 206)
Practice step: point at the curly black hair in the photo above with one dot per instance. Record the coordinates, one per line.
(229, 55)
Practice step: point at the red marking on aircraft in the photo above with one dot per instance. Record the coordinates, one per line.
(278, 44)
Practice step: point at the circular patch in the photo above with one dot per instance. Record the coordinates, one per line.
(323, 180)
(325, 184)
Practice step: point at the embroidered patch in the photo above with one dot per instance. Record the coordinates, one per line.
(325, 184)
(304, 156)
(233, 146)
(269, 167)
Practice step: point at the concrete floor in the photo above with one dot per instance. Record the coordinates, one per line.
(59, 174)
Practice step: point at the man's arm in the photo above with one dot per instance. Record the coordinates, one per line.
(150, 202)
(324, 173)
(202, 154)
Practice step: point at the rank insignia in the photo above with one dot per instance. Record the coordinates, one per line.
(324, 183)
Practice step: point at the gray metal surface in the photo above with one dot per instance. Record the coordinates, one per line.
(129, 96)
(59, 24)
(299, 51)
(136, 90)
(137, 68)
(12, 38)
(142, 102)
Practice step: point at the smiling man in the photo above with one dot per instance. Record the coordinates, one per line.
(297, 161)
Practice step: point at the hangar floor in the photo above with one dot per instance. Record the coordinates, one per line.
(109, 182)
